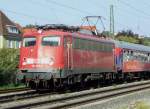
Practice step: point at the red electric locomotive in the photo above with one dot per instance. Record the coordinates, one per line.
(57, 55)
(51, 57)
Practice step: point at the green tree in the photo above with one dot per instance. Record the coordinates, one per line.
(8, 65)
(128, 39)
(128, 36)
(145, 41)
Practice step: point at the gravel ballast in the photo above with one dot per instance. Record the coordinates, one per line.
(119, 102)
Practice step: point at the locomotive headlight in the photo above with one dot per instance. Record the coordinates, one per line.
(28, 61)
(24, 63)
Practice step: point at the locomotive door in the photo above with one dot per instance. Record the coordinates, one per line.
(68, 52)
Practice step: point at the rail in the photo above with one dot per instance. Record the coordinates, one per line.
(78, 98)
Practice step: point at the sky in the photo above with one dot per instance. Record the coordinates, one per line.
(128, 14)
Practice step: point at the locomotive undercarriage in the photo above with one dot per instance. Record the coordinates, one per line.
(91, 79)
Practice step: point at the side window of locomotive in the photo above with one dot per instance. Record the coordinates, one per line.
(30, 41)
(103, 47)
(75, 43)
(51, 41)
(65, 42)
(111, 48)
(96, 46)
(83, 44)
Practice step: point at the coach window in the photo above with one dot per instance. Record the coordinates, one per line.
(51, 41)
(125, 55)
(149, 57)
(131, 52)
(29, 41)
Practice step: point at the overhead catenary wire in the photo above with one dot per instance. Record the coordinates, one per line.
(48, 2)
(126, 13)
(145, 16)
(51, 8)
(134, 8)
(69, 7)
(23, 14)
(53, 2)
(79, 10)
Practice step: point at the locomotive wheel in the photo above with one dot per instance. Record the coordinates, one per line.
(32, 85)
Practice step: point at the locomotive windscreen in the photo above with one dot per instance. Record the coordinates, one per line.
(51, 41)
(29, 41)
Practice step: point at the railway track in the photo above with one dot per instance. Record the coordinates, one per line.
(2, 91)
(67, 100)
(15, 94)
(7, 97)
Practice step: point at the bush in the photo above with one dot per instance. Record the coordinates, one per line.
(8, 65)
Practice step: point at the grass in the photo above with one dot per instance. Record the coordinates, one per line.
(138, 105)
(11, 86)
(142, 105)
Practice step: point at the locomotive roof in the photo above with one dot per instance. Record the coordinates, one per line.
(35, 32)
(92, 37)
(132, 46)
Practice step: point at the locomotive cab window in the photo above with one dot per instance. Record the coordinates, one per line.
(29, 41)
(51, 41)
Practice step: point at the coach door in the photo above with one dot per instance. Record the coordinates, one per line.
(119, 58)
(68, 52)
